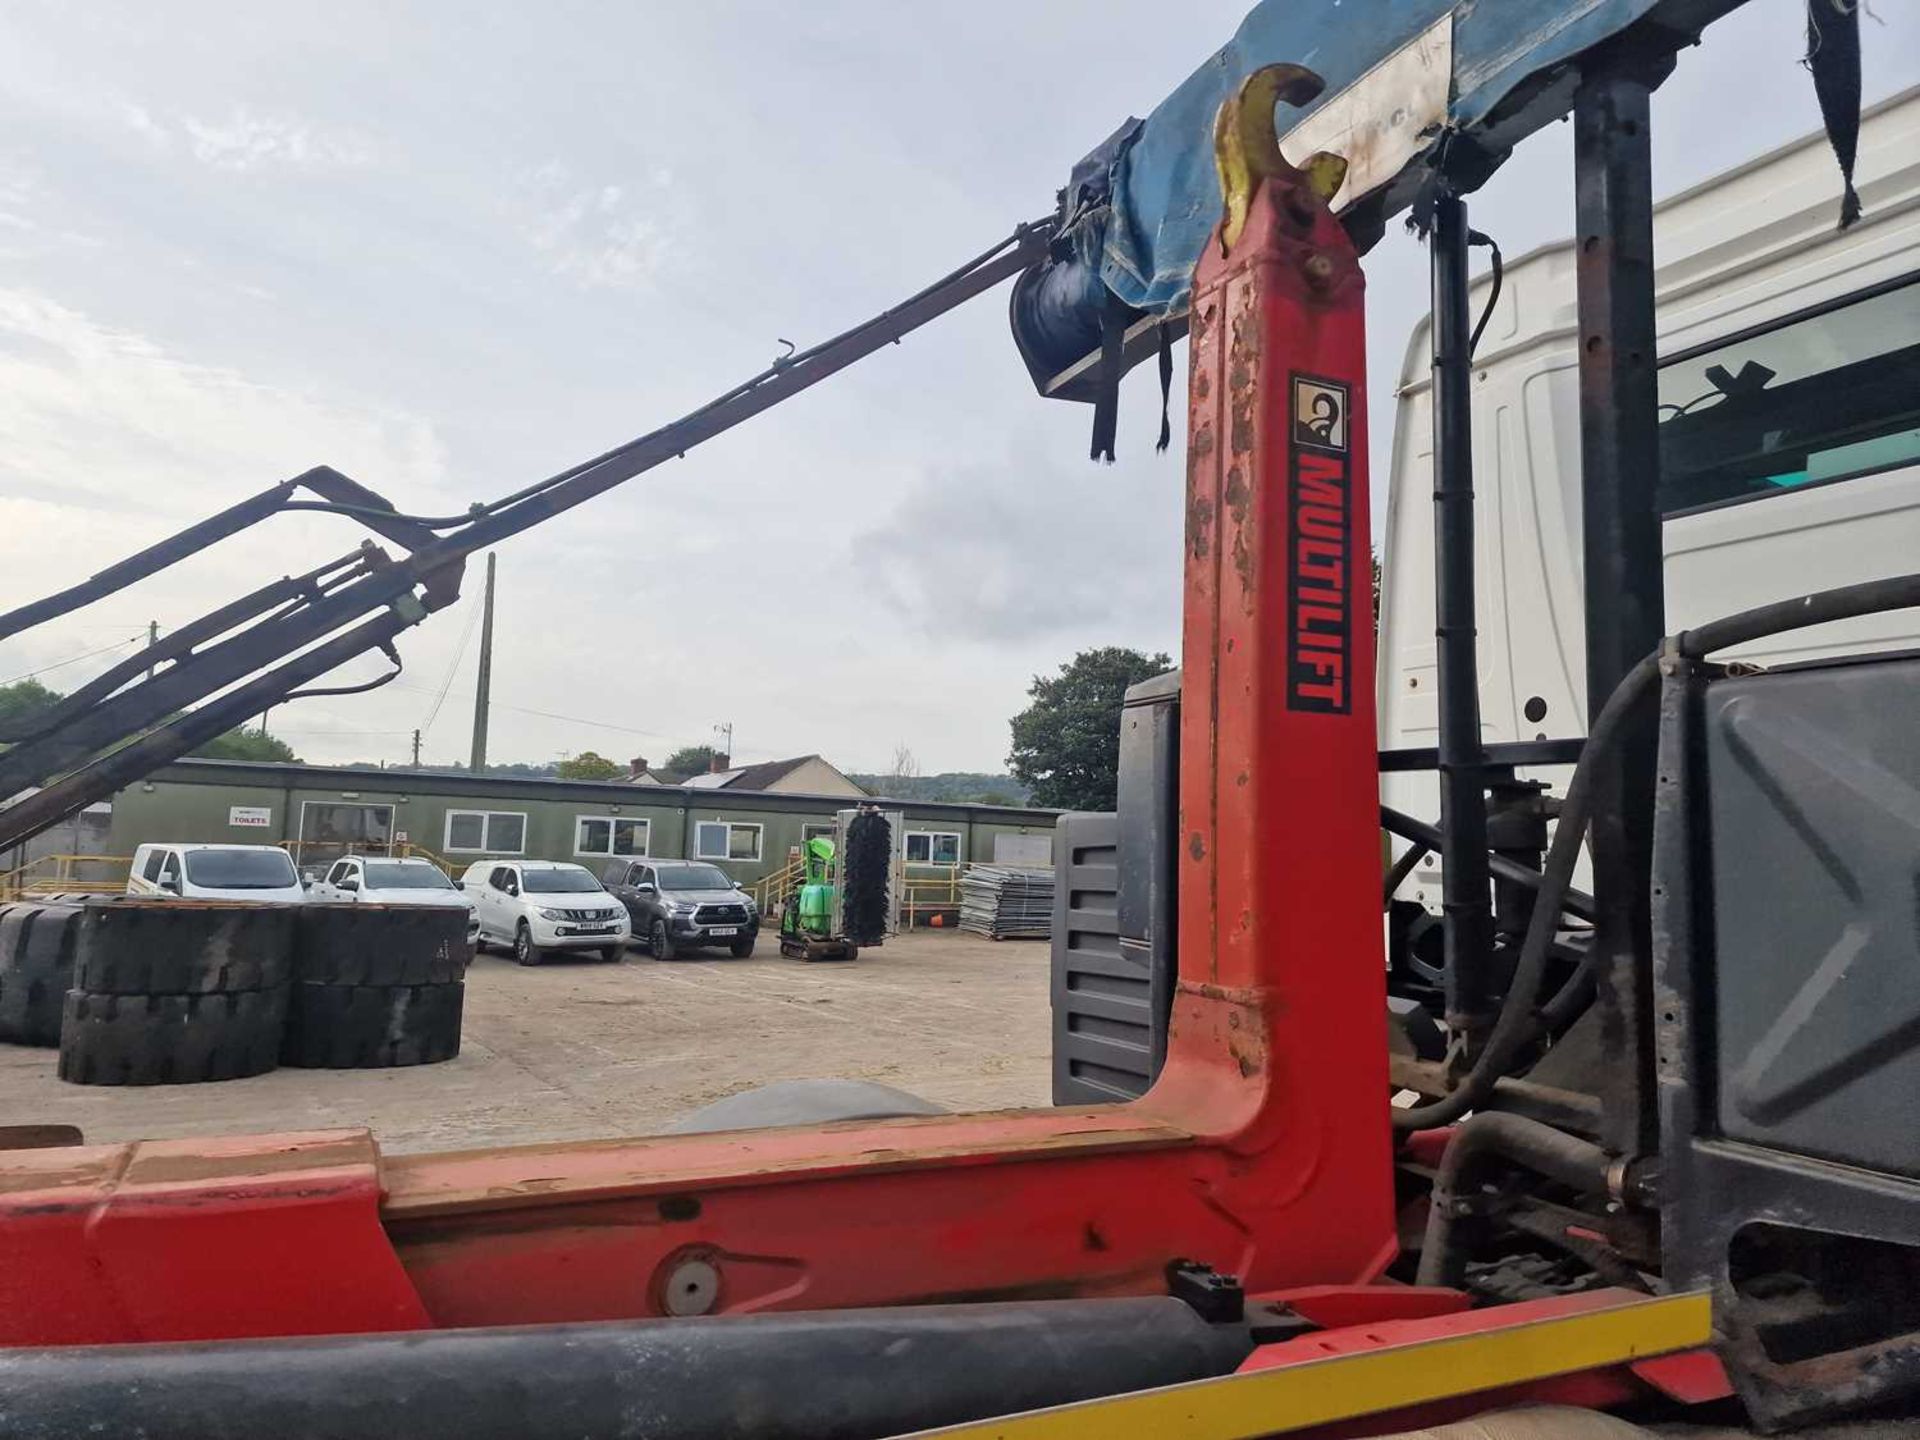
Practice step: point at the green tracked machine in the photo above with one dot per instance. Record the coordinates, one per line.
(845, 898)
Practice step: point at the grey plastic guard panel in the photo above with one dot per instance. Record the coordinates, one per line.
(1814, 799)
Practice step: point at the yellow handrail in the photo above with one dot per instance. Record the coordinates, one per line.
(770, 891)
(56, 874)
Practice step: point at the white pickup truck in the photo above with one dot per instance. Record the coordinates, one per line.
(542, 906)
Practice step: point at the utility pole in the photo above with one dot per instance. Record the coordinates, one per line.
(416, 749)
(483, 683)
(153, 639)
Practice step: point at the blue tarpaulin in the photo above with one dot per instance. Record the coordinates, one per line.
(1165, 196)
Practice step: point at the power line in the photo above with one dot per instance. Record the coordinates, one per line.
(452, 669)
(676, 741)
(75, 659)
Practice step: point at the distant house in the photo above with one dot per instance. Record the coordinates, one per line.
(802, 775)
(639, 772)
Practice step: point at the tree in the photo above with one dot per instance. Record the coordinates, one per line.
(1066, 744)
(244, 744)
(21, 701)
(904, 766)
(588, 765)
(688, 760)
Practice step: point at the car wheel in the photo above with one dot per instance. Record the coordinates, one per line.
(660, 942)
(525, 952)
(741, 949)
(613, 954)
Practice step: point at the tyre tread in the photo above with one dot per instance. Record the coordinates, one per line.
(37, 943)
(381, 945)
(113, 1039)
(170, 947)
(364, 1027)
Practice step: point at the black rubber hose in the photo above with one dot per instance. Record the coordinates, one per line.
(1869, 597)
(1517, 1023)
(851, 1374)
(1497, 1134)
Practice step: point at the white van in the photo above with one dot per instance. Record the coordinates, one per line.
(263, 874)
(1790, 438)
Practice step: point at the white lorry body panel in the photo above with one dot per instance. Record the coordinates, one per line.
(1755, 250)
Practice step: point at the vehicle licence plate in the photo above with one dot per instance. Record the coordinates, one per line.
(724, 932)
(593, 929)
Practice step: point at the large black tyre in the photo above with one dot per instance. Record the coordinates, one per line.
(170, 1039)
(743, 947)
(659, 943)
(360, 1027)
(36, 970)
(183, 947)
(380, 945)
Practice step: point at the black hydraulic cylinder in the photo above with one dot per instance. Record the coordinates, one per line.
(831, 1375)
(1466, 901)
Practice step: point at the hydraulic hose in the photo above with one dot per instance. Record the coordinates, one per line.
(1517, 1022)
(1540, 1148)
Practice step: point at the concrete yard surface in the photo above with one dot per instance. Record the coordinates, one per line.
(578, 1049)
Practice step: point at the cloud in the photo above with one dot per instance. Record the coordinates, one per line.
(104, 417)
(1028, 549)
(19, 187)
(603, 236)
(247, 141)
(140, 120)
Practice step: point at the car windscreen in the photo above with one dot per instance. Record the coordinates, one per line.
(406, 877)
(693, 877)
(241, 869)
(569, 881)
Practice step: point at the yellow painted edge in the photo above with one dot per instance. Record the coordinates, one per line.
(1341, 1387)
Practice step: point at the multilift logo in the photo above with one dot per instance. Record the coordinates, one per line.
(1320, 551)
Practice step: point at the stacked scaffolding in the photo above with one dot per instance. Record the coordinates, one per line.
(1007, 902)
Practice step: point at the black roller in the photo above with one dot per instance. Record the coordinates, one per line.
(381, 944)
(183, 947)
(828, 1376)
(863, 877)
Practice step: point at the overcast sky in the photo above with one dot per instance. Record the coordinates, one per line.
(451, 248)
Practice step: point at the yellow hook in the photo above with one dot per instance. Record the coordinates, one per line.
(1246, 146)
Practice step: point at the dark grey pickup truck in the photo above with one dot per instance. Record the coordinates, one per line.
(680, 905)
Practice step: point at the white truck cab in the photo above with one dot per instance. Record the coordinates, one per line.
(263, 874)
(1790, 444)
